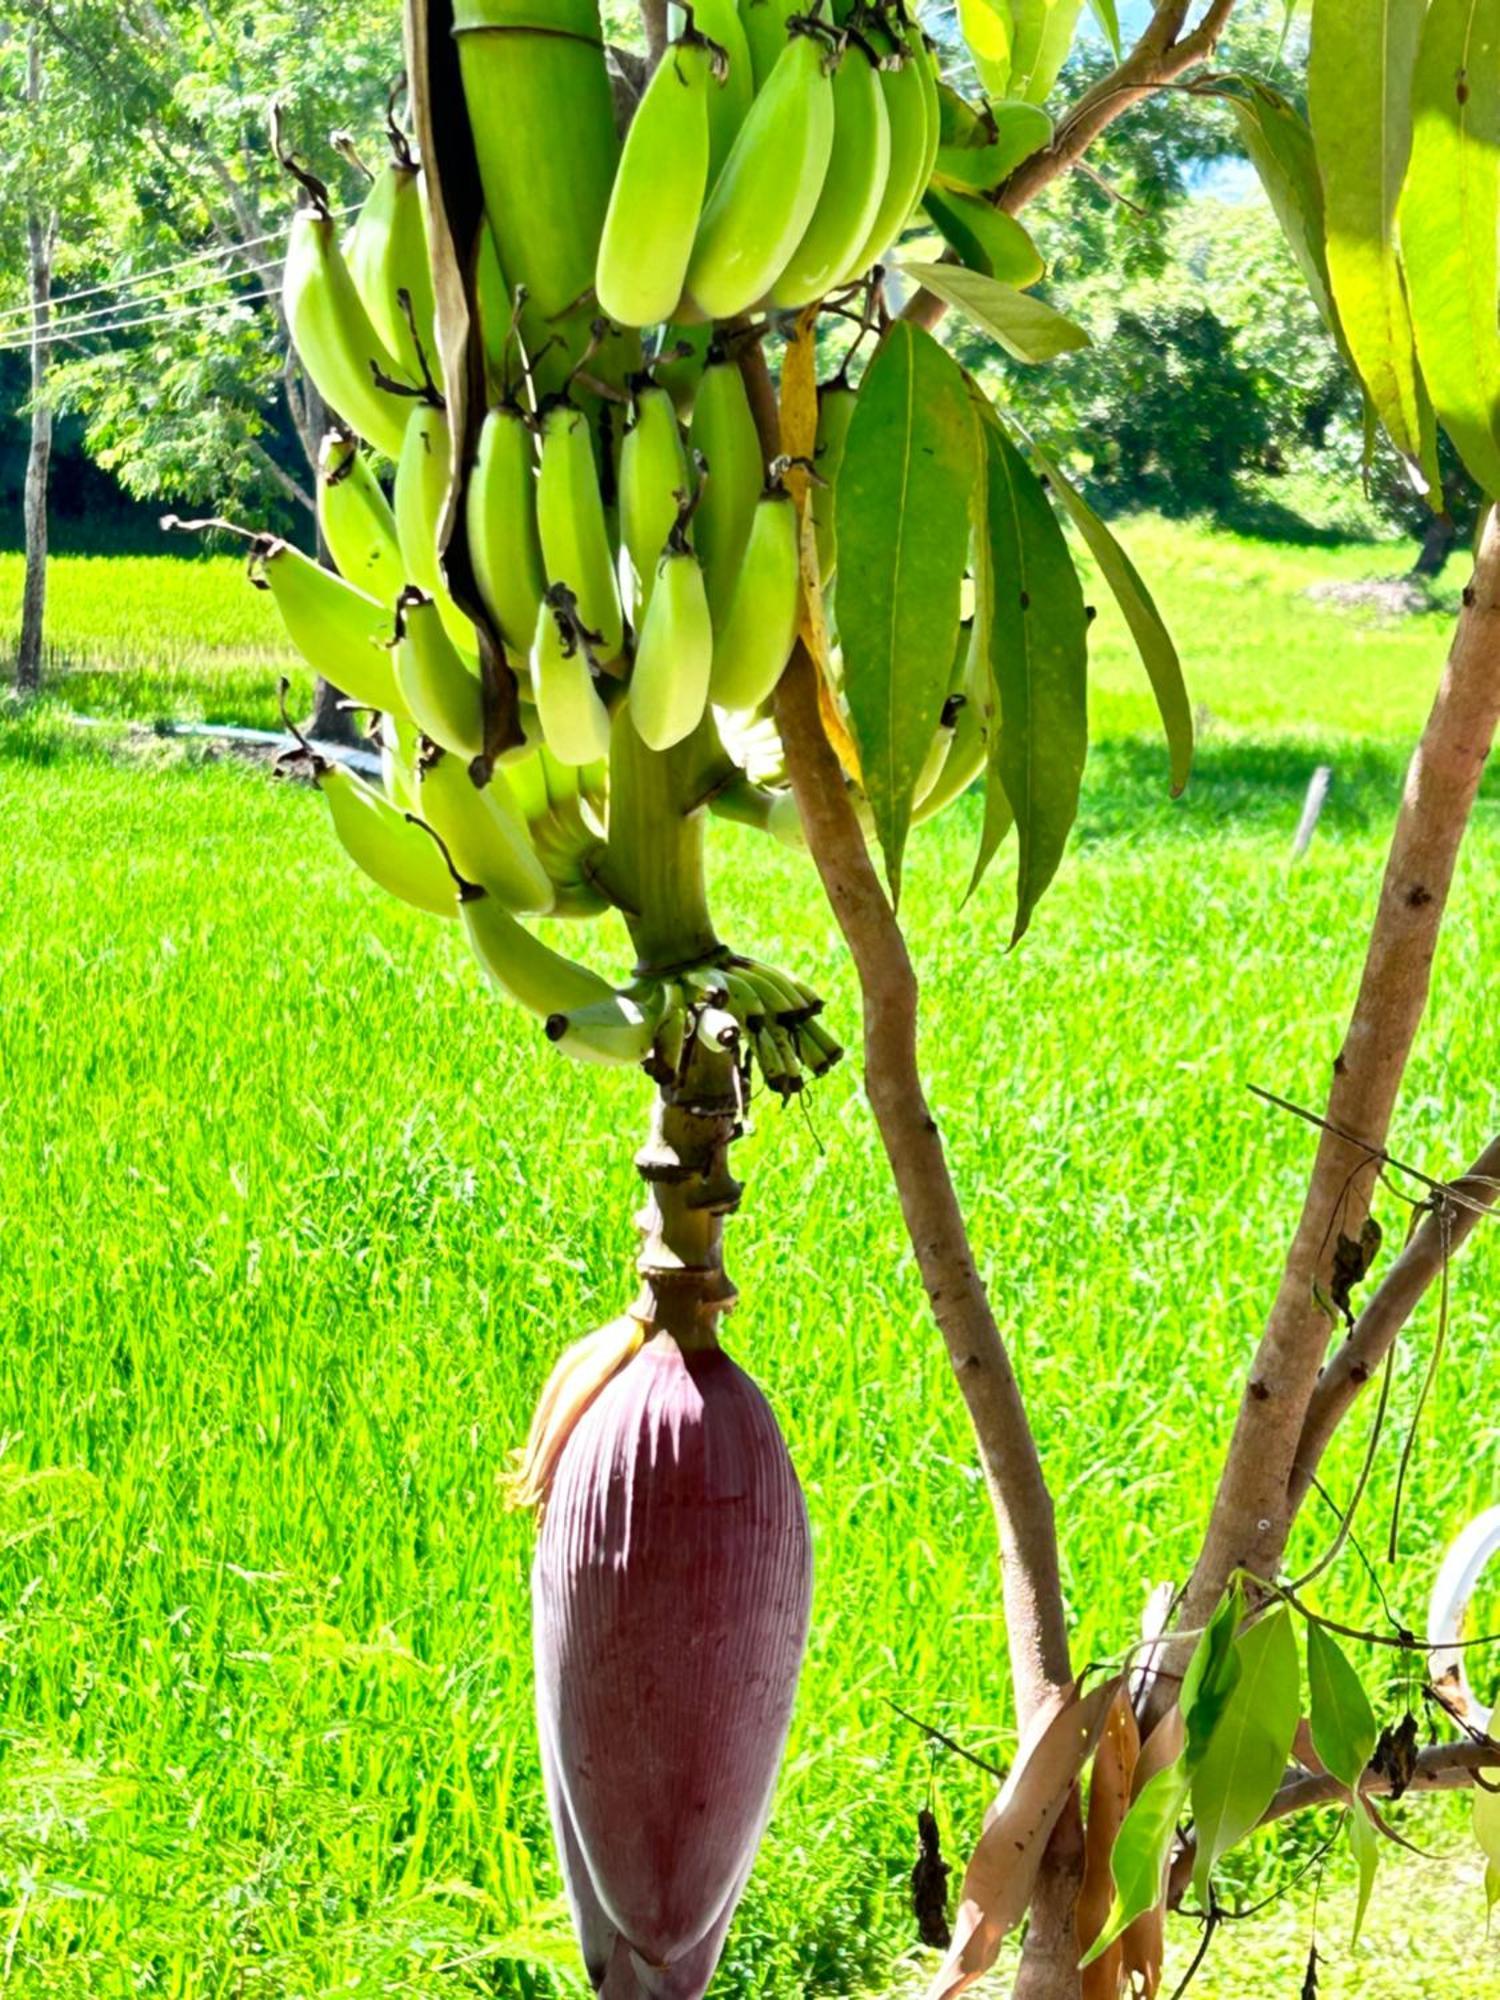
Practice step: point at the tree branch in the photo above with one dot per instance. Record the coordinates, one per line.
(1441, 1233)
(1254, 1509)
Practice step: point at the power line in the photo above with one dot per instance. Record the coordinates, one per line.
(98, 320)
(60, 335)
(141, 279)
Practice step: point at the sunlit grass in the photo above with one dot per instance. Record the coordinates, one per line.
(293, 1217)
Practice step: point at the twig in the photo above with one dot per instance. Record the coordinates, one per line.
(948, 1742)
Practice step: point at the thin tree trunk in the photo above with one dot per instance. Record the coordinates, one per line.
(41, 230)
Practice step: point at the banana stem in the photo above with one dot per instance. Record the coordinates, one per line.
(656, 845)
(690, 1190)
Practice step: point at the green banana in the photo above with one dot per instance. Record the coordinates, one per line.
(438, 690)
(342, 634)
(675, 655)
(659, 188)
(724, 437)
(575, 720)
(483, 831)
(819, 1049)
(356, 520)
(753, 645)
(852, 189)
(521, 966)
(761, 204)
(621, 1029)
(924, 56)
(764, 26)
(400, 746)
(653, 478)
(907, 112)
(573, 528)
(837, 402)
(380, 839)
(680, 362)
(497, 330)
(501, 514)
(542, 113)
(423, 474)
(332, 332)
(387, 258)
(720, 21)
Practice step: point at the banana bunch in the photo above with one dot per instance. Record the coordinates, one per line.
(773, 159)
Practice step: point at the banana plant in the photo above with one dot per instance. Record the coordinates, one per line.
(585, 500)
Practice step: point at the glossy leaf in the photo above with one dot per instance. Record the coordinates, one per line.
(1487, 1833)
(983, 158)
(1035, 642)
(1247, 1755)
(1027, 328)
(1107, 15)
(1280, 147)
(1366, 1850)
(1152, 639)
(1449, 220)
(1340, 1717)
(985, 237)
(1359, 101)
(1044, 34)
(903, 501)
(1140, 1858)
(988, 29)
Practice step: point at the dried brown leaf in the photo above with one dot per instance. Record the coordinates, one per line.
(1002, 1872)
(1144, 1945)
(1110, 1790)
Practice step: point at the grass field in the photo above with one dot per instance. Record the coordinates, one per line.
(293, 1219)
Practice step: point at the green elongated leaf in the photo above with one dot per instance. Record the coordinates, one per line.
(1280, 147)
(1107, 15)
(977, 158)
(1025, 327)
(1339, 1712)
(1144, 1841)
(1035, 641)
(986, 238)
(1359, 83)
(988, 28)
(1247, 1754)
(903, 500)
(1152, 639)
(1487, 1833)
(1044, 34)
(1366, 1850)
(1449, 223)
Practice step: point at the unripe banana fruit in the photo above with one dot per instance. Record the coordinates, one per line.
(728, 103)
(837, 403)
(387, 258)
(342, 634)
(483, 832)
(760, 206)
(675, 656)
(382, 841)
(335, 339)
(853, 188)
(753, 645)
(423, 474)
(573, 529)
(653, 476)
(907, 115)
(764, 25)
(438, 690)
(357, 521)
(725, 438)
(504, 545)
(659, 188)
(522, 967)
(575, 720)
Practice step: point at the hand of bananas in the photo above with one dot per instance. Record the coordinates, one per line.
(634, 569)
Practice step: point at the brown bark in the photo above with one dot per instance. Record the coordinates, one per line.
(41, 231)
(1254, 1507)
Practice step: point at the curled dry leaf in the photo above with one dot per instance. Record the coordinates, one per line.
(1002, 1873)
(1109, 1800)
(1144, 1944)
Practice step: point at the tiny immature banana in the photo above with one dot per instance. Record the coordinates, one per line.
(760, 206)
(438, 689)
(621, 1029)
(575, 720)
(660, 185)
(504, 544)
(573, 528)
(357, 521)
(753, 645)
(675, 656)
